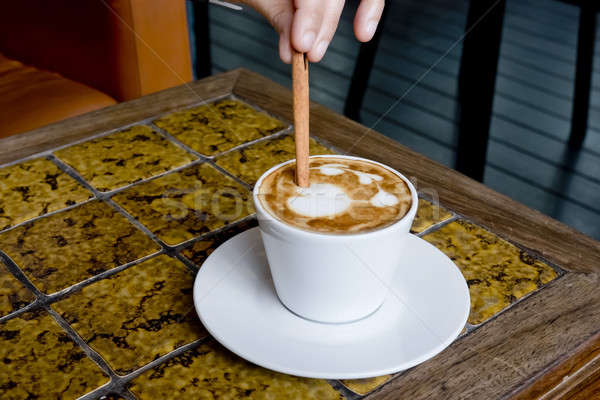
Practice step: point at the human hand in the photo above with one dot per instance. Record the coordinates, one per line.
(308, 25)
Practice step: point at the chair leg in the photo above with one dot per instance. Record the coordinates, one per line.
(203, 66)
(362, 71)
(477, 80)
(583, 75)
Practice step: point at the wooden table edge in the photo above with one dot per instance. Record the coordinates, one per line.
(550, 239)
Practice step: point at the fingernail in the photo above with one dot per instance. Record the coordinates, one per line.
(321, 49)
(308, 39)
(372, 27)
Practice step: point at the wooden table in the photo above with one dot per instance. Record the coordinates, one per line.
(100, 241)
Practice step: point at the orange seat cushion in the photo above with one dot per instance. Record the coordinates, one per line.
(31, 98)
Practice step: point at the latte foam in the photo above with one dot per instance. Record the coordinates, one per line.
(344, 196)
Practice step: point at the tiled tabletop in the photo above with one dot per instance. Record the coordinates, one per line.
(100, 243)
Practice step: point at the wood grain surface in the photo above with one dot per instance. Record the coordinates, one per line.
(545, 346)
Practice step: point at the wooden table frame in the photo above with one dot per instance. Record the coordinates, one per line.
(547, 345)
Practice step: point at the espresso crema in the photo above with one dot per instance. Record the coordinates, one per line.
(345, 196)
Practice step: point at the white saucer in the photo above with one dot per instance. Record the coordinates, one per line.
(426, 309)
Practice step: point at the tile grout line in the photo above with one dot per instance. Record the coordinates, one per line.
(326, 144)
(114, 386)
(560, 272)
(132, 220)
(47, 215)
(72, 172)
(187, 107)
(119, 383)
(234, 96)
(43, 299)
(539, 257)
(151, 122)
(207, 235)
(172, 250)
(339, 387)
(63, 167)
(514, 304)
(114, 192)
(107, 199)
(283, 132)
(18, 274)
(189, 264)
(127, 394)
(456, 216)
(100, 392)
(240, 146)
(31, 307)
(66, 292)
(91, 353)
(124, 379)
(167, 136)
(436, 226)
(230, 175)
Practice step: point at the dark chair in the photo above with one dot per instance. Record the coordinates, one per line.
(477, 79)
(201, 39)
(477, 82)
(362, 71)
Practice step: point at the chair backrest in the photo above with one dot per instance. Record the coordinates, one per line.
(125, 48)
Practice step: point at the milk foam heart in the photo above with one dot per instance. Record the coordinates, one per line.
(345, 196)
(319, 200)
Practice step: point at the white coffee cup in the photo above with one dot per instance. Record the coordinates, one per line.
(333, 278)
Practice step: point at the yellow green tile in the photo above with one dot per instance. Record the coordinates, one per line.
(213, 128)
(13, 295)
(137, 315)
(124, 157)
(34, 188)
(497, 272)
(428, 214)
(40, 361)
(187, 203)
(68, 247)
(212, 372)
(364, 386)
(199, 251)
(251, 162)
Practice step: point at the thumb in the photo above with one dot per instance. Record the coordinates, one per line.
(280, 14)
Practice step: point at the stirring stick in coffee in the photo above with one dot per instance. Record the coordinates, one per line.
(301, 125)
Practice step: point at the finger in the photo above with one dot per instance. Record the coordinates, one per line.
(280, 15)
(282, 22)
(285, 48)
(330, 23)
(306, 25)
(367, 18)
